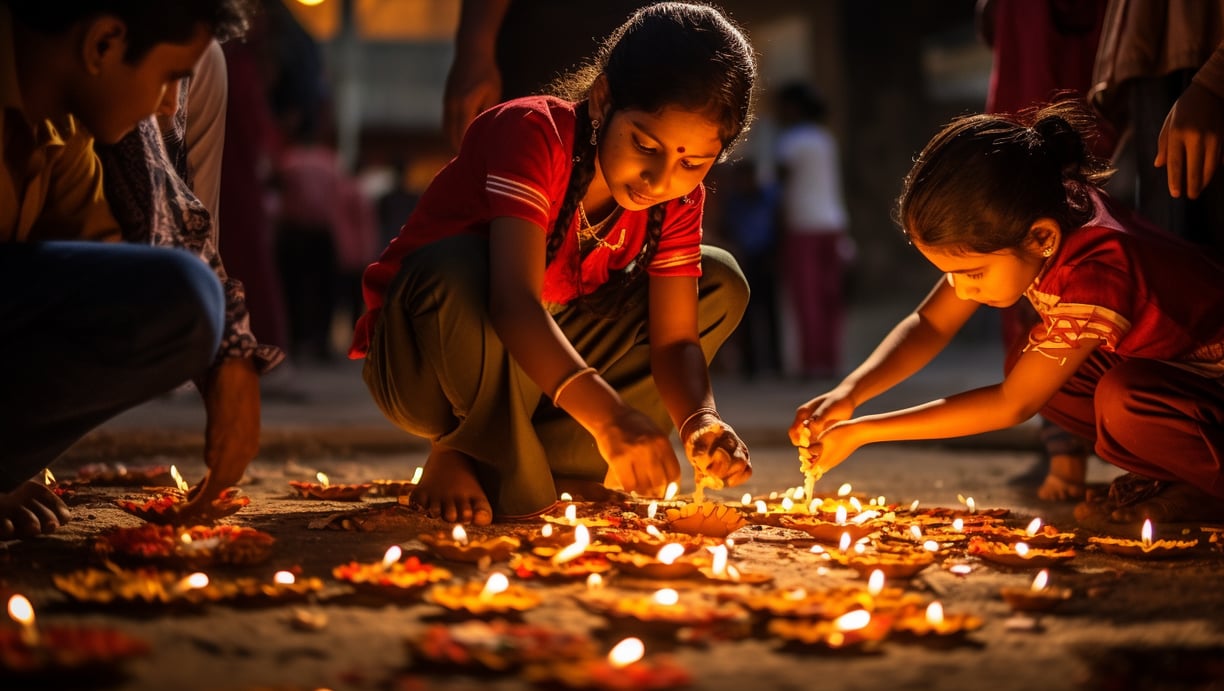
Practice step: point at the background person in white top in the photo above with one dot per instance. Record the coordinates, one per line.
(816, 247)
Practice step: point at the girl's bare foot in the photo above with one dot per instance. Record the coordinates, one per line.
(1178, 502)
(31, 510)
(449, 489)
(1066, 478)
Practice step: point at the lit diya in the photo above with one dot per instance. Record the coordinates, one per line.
(651, 540)
(669, 562)
(495, 646)
(153, 586)
(459, 547)
(398, 488)
(393, 575)
(165, 507)
(496, 596)
(800, 603)
(708, 518)
(55, 655)
(1038, 597)
(890, 564)
(324, 489)
(193, 547)
(1019, 555)
(581, 565)
(832, 532)
(1145, 547)
(854, 630)
(624, 669)
(933, 621)
(667, 608)
(719, 569)
(1035, 535)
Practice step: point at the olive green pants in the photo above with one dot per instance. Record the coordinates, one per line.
(438, 370)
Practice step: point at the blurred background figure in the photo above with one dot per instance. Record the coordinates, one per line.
(816, 246)
(749, 219)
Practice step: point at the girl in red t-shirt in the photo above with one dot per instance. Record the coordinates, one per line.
(548, 312)
(1129, 351)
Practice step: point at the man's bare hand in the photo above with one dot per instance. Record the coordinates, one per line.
(231, 438)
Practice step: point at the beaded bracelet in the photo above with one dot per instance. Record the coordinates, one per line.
(696, 413)
(570, 380)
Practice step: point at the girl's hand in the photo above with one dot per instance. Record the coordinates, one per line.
(717, 453)
(815, 416)
(638, 452)
(833, 446)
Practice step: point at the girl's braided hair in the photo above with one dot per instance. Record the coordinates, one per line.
(678, 54)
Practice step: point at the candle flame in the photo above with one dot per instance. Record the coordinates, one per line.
(843, 490)
(1040, 581)
(971, 504)
(666, 597)
(571, 513)
(652, 509)
(958, 525)
(416, 475)
(653, 531)
(193, 582)
(392, 555)
(20, 609)
(547, 530)
(672, 489)
(626, 652)
(761, 507)
(582, 535)
(178, 479)
(566, 496)
(571, 551)
(733, 573)
(800, 493)
(185, 538)
(670, 552)
(935, 613)
(856, 504)
(458, 534)
(844, 543)
(914, 506)
(961, 569)
(746, 499)
(916, 532)
(840, 515)
(497, 583)
(787, 504)
(1022, 549)
(48, 477)
(1146, 534)
(323, 479)
(718, 565)
(865, 516)
(853, 621)
(594, 582)
(931, 546)
(284, 578)
(1033, 526)
(875, 582)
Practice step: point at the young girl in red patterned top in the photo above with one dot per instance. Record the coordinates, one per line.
(1129, 351)
(547, 313)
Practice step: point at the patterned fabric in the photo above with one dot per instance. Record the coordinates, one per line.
(1139, 290)
(143, 167)
(515, 161)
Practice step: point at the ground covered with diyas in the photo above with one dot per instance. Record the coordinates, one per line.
(342, 586)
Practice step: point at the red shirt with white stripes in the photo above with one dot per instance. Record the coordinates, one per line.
(515, 161)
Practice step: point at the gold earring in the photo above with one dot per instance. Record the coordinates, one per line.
(1047, 251)
(594, 132)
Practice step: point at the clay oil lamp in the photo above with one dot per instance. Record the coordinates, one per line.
(834, 531)
(891, 564)
(459, 547)
(651, 540)
(1145, 547)
(397, 488)
(1038, 597)
(325, 489)
(801, 603)
(933, 622)
(1019, 555)
(393, 575)
(495, 597)
(709, 519)
(165, 506)
(56, 656)
(668, 610)
(151, 586)
(476, 645)
(194, 547)
(1035, 535)
(855, 631)
(669, 562)
(624, 669)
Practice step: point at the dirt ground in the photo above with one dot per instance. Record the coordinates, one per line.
(1130, 624)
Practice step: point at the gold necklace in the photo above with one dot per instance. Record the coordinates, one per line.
(588, 232)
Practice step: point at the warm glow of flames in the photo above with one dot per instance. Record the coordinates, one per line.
(916, 532)
(284, 578)
(653, 531)
(458, 534)
(718, 565)
(566, 496)
(787, 504)
(961, 569)
(670, 552)
(761, 506)
(323, 479)
(193, 582)
(582, 539)
(652, 509)
(1033, 526)
(547, 530)
(497, 583)
(416, 475)
(958, 525)
(814, 505)
(971, 504)
(844, 543)
(391, 556)
(185, 538)
(1022, 549)
(310, 3)
(48, 477)
(844, 490)
(935, 613)
(931, 546)
(865, 516)
(1040, 581)
(799, 493)
(1146, 533)
(178, 479)
(594, 582)
(626, 652)
(840, 516)
(20, 609)
(914, 505)
(582, 535)
(875, 582)
(856, 504)
(746, 499)
(571, 513)
(666, 597)
(852, 621)
(672, 489)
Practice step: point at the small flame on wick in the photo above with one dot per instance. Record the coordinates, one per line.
(571, 513)
(875, 582)
(392, 555)
(594, 582)
(284, 578)
(844, 543)
(746, 499)
(626, 652)
(844, 490)
(840, 516)
(958, 524)
(761, 506)
(935, 613)
(48, 477)
(416, 475)
(178, 479)
(20, 609)
(852, 621)
(931, 546)
(666, 597)
(1040, 581)
(652, 531)
(672, 489)
(1033, 526)
(497, 583)
(1146, 533)
(718, 565)
(787, 504)
(547, 530)
(323, 479)
(652, 509)
(458, 534)
(566, 496)
(670, 552)
(1022, 549)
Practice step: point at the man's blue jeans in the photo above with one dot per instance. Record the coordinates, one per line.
(88, 330)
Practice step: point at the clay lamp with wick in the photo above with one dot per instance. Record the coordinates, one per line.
(496, 596)
(832, 532)
(624, 669)
(400, 489)
(667, 563)
(55, 656)
(393, 575)
(852, 631)
(720, 568)
(165, 506)
(1038, 597)
(1019, 555)
(709, 519)
(570, 562)
(194, 547)
(1145, 547)
(933, 621)
(459, 547)
(665, 607)
(324, 489)
(893, 565)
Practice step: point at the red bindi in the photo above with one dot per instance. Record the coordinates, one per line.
(679, 149)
